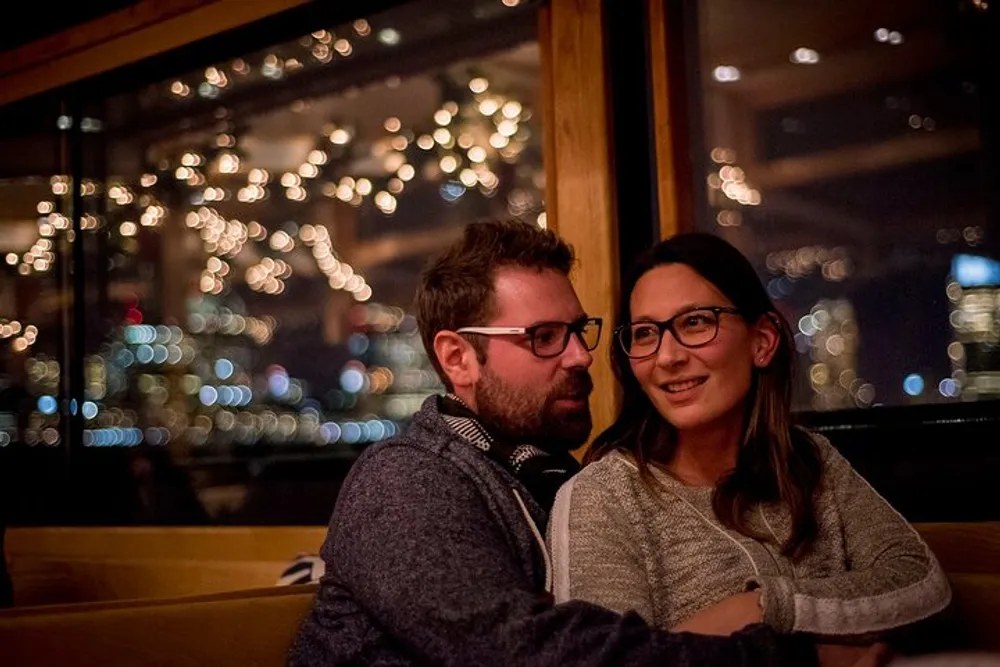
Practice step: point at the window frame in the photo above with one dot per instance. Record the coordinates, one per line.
(675, 101)
(154, 40)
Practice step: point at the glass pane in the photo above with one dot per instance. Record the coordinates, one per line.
(848, 148)
(259, 226)
(36, 204)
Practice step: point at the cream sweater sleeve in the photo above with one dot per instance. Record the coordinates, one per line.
(892, 578)
(595, 558)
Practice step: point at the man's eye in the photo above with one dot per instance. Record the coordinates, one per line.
(547, 335)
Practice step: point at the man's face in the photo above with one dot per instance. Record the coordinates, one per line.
(543, 402)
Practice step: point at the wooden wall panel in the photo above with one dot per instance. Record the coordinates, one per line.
(63, 565)
(188, 543)
(249, 628)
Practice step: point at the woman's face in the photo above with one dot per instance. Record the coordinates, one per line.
(705, 387)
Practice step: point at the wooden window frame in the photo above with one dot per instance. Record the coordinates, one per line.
(580, 203)
(580, 198)
(674, 178)
(147, 29)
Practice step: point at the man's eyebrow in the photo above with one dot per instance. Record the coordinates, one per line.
(579, 318)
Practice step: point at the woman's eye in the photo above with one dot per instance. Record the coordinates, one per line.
(641, 334)
(696, 321)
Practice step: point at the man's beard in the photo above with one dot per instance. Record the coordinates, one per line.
(530, 415)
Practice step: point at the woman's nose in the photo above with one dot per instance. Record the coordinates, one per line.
(671, 352)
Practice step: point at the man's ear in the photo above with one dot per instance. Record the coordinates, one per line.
(766, 338)
(457, 358)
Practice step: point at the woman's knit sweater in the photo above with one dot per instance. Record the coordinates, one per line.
(617, 542)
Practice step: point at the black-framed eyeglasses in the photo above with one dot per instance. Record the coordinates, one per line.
(549, 339)
(692, 328)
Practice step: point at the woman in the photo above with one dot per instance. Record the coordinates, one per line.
(702, 507)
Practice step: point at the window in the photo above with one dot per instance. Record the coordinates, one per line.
(35, 300)
(849, 150)
(251, 235)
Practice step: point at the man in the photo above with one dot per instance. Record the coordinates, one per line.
(434, 554)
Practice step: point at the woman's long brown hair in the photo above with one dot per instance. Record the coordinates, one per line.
(776, 462)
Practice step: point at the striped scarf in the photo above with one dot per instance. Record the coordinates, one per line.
(541, 473)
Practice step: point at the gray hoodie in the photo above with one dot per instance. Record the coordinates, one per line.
(435, 556)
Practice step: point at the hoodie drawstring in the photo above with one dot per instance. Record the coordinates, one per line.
(539, 539)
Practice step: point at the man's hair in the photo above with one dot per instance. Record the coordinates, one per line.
(457, 288)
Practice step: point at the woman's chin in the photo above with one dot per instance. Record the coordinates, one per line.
(691, 417)
(686, 418)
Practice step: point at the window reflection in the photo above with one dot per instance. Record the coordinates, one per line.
(846, 149)
(253, 232)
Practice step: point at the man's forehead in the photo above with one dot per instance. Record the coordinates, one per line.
(535, 295)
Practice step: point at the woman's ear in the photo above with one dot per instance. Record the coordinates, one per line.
(765, 338)
(457, 358)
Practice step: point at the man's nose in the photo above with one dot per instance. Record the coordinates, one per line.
(576, 354)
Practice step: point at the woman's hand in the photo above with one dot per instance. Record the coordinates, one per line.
(725, 617)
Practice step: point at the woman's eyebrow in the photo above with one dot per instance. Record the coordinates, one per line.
(680, 311)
